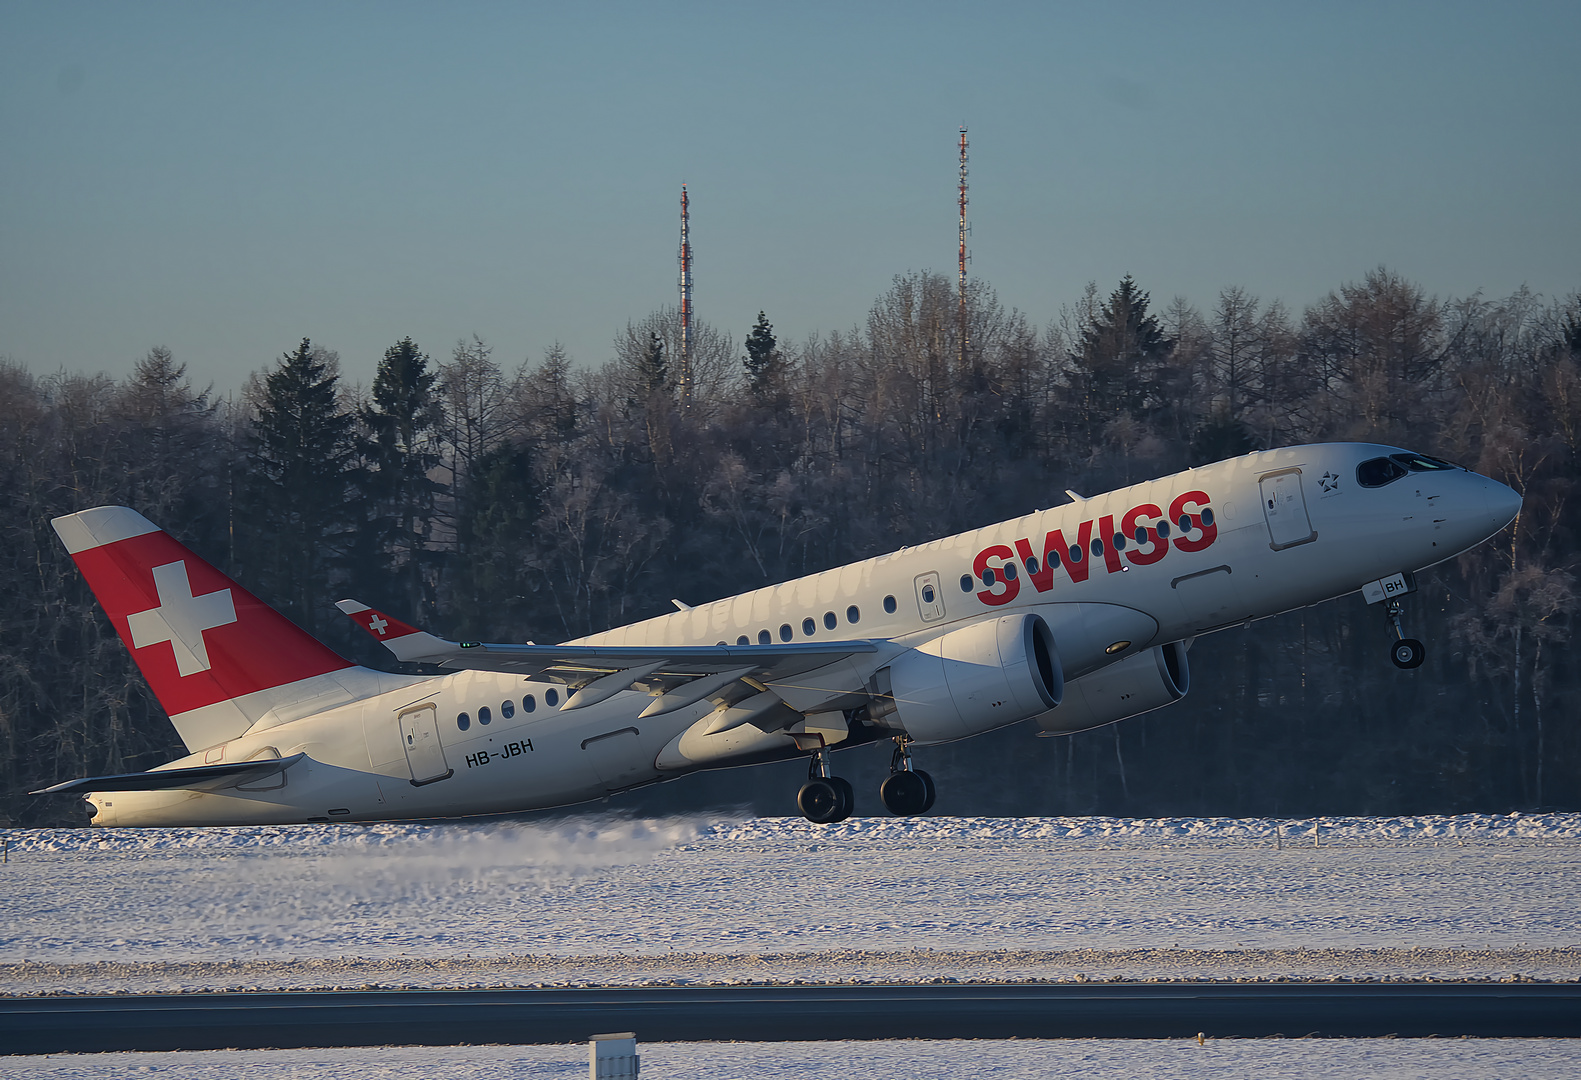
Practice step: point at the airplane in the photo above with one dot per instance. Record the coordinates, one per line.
(1073, 617)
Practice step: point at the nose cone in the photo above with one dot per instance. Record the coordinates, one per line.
(1503, 504)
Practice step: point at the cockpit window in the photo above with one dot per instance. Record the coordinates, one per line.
(1421, 462)
(1376, 472)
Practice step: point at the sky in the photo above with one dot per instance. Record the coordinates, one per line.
(226, 179)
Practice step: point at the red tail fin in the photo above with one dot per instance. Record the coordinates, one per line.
(217, 657)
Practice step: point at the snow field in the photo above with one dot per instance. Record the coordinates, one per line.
(591, 899)
(1030, 1059)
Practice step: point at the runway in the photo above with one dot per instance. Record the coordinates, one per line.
(39, 1025)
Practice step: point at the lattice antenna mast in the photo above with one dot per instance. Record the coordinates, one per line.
(686, 301)
(960, 277)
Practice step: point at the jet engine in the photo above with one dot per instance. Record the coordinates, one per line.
(983, 676)
(1149, 680)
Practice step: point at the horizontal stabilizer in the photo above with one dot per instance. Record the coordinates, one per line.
(409, 644)
(197, 778)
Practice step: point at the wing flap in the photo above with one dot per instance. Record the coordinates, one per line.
(582, 663)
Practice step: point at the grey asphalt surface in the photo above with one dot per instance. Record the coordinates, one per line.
(39, 1025)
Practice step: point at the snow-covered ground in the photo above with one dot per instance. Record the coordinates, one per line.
(1029, 1059)
(589, 899)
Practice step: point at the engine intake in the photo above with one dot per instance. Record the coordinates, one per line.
(983, 676)
(1138, 684)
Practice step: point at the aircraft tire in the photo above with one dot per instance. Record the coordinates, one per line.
(1407, 653)
(906, 793)
(932, 791)
(820, 801)
(847, 796)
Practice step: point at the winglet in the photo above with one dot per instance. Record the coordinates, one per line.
(407, 642)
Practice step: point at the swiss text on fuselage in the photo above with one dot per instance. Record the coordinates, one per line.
(1093, 540)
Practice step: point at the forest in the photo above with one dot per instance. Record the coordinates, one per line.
(553, 498)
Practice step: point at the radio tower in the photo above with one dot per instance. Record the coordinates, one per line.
(686, 303)
(960, 277)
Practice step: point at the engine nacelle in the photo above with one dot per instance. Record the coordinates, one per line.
(980, 677)
(1138, 684)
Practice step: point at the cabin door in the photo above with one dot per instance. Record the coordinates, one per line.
(930, 601)
(425, 756)
(1285, 509)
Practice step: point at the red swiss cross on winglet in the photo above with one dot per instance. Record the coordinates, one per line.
(377, 623)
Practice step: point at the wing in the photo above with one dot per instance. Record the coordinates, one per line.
(197, 778)
(691, 672)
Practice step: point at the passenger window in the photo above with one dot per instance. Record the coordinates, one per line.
(1185, 523)
(743, 640)
(966, 583)
(927, 598)
(529, 703)
(507, 708)
(1097, 545)
(889, 602)
(1119, 542)
(1378, 472)
(484, 716)
(1075, 553)
(463, 721)
(829, 621)
(551, 697)
(988, 576)
(1141, 534)
(1207, 516)
(1010, 571)
(764, 637)
(1032, 564)
(853, 615)
(809, 627)
(785, 632)
(1163, 530)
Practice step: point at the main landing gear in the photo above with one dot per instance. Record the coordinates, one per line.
(1406, 652)
(908, 791)
(825, 799)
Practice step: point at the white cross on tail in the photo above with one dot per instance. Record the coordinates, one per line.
(181, 618)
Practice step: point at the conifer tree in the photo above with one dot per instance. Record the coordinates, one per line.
(495, 527)
(401, 422)
(1117, 361)
(653, 369)
(763, 363)
(301, 452)
(548, 402)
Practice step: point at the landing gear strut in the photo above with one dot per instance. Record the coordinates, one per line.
(1405, 652)
(908, 791)
(824, 799)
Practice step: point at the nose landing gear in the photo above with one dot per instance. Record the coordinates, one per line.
(1406, 652)
(824, 799)
(908, 791)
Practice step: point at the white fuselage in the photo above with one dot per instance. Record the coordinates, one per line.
(1241, 560)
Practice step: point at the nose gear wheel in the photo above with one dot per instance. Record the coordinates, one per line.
(1407, 653)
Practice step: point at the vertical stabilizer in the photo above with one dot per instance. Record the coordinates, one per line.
(217, 658)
